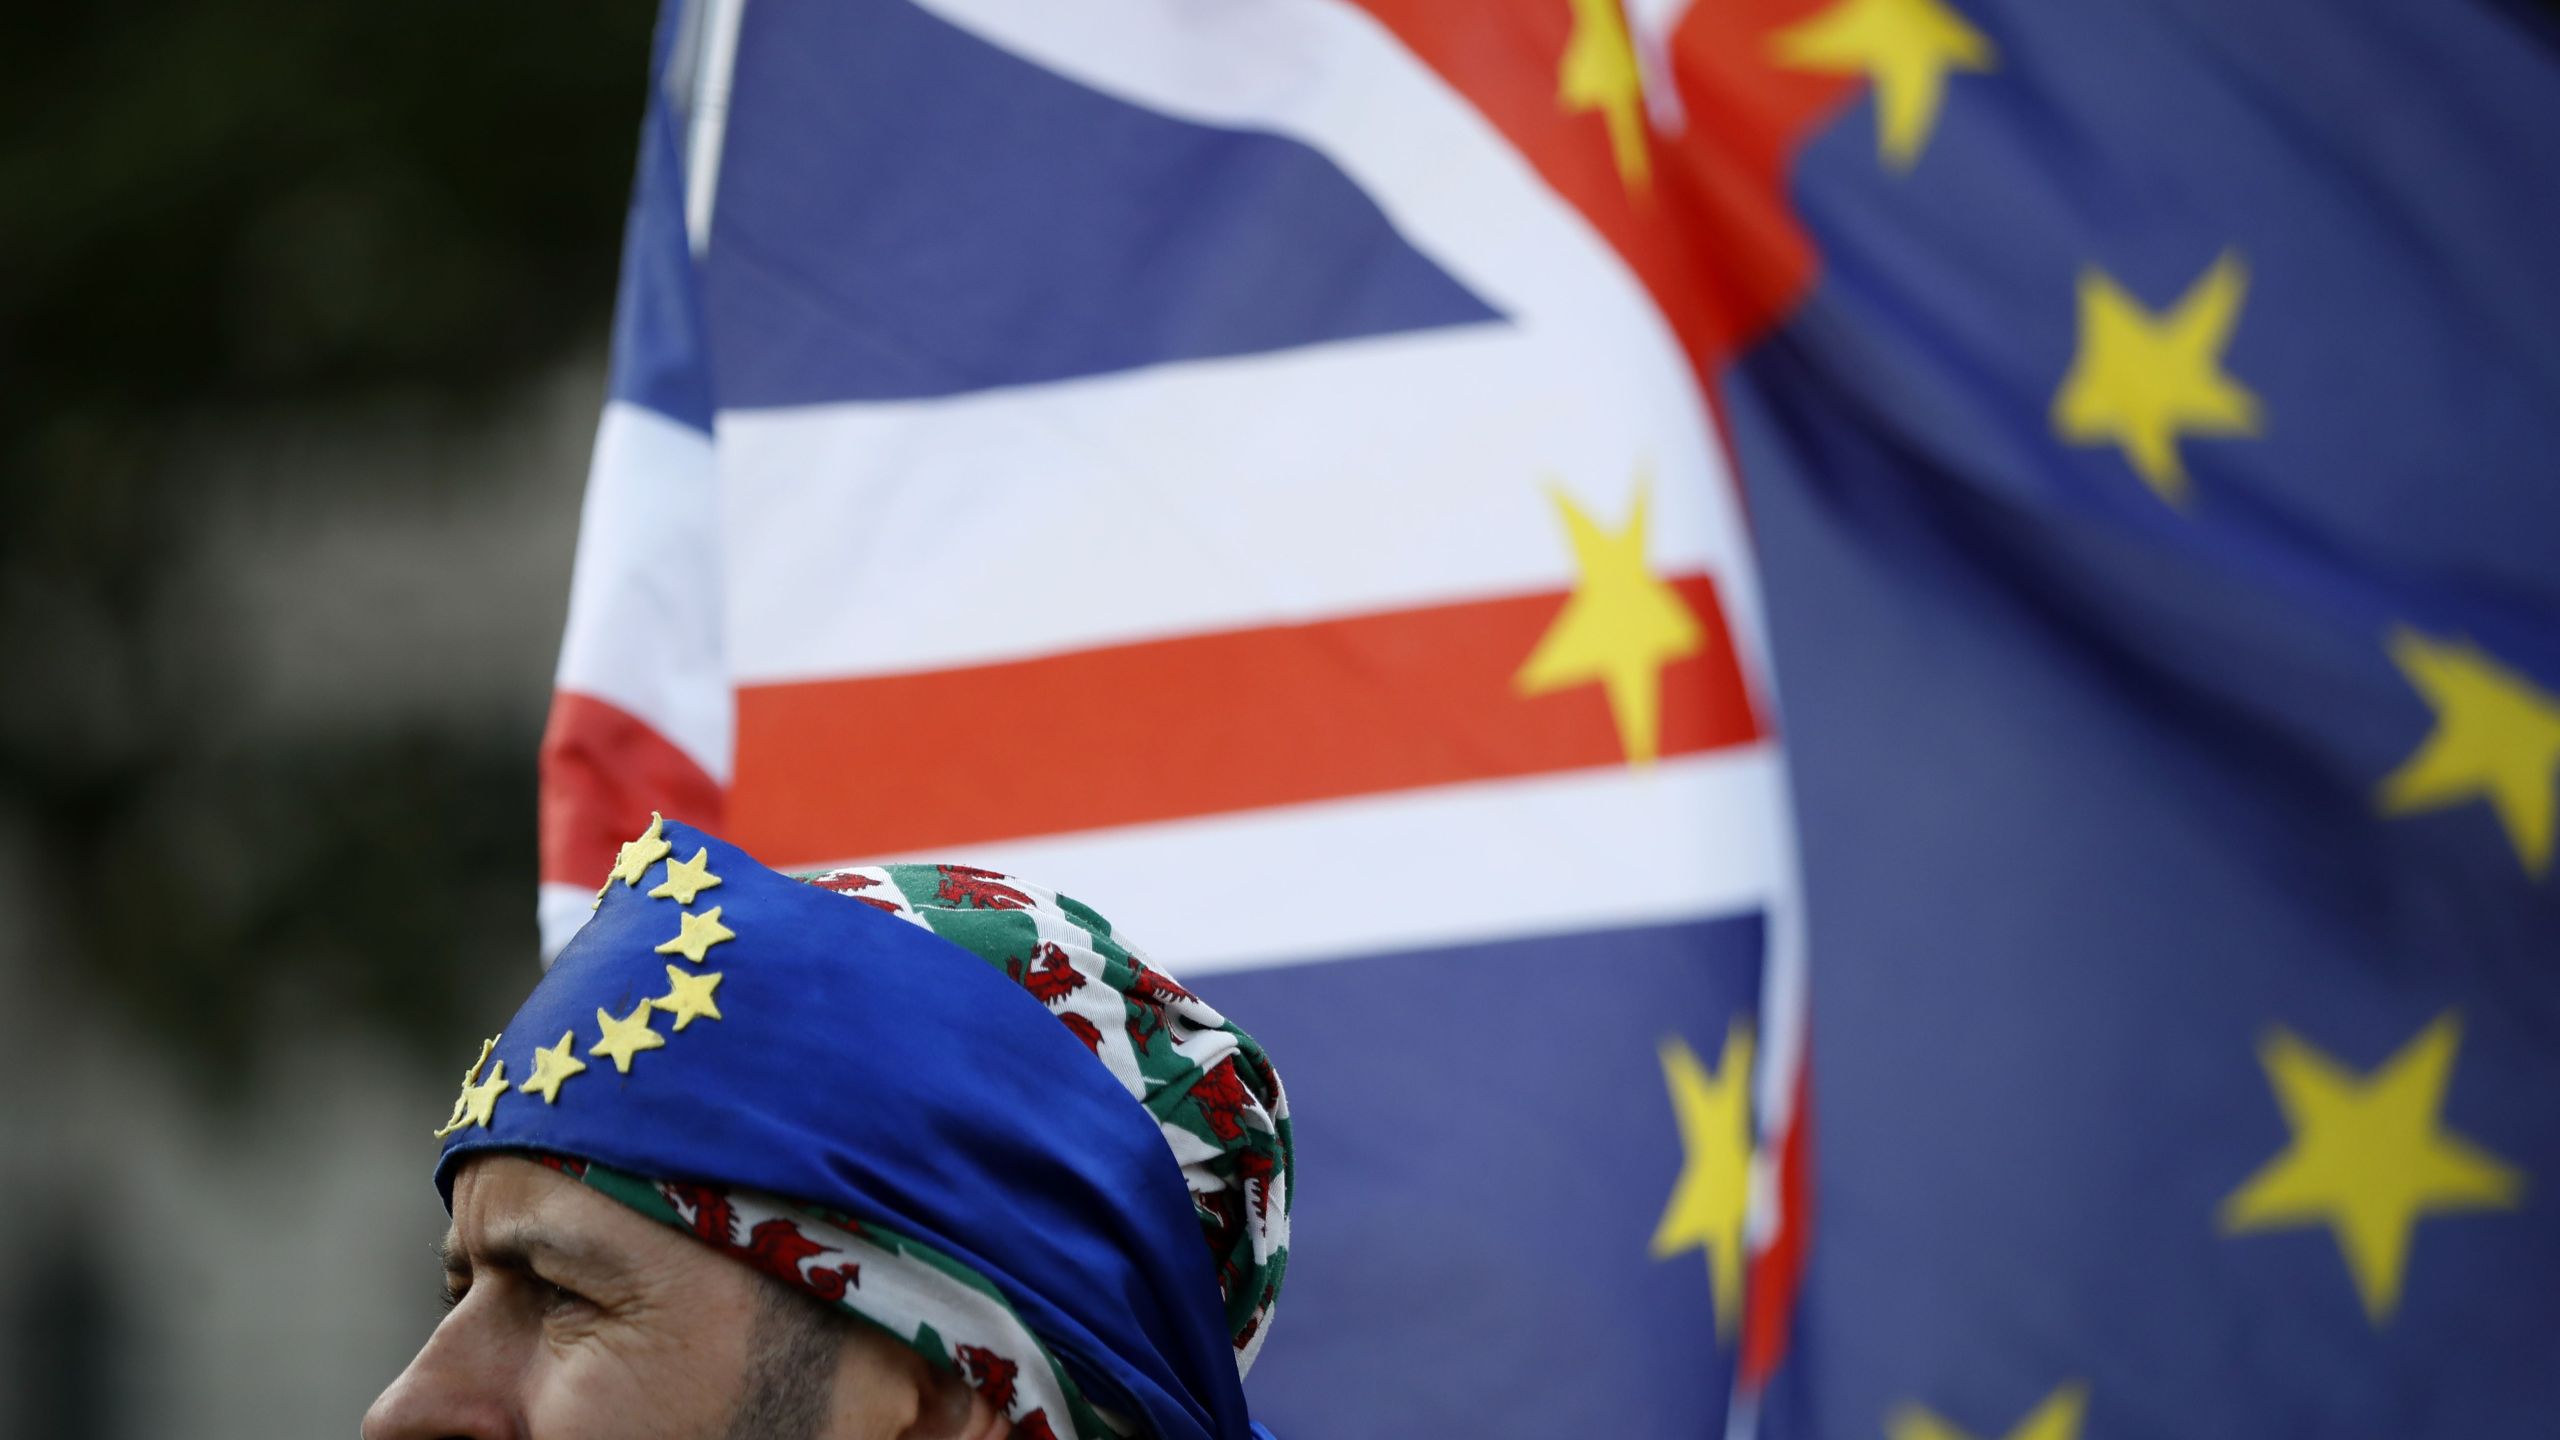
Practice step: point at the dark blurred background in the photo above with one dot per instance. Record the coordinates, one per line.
(302, 314)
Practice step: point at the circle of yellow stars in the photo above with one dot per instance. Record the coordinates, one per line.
(2369, 1157)
(2148, 381)
(691, 994)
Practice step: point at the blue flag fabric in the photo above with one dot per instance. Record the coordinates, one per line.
(2156, 498)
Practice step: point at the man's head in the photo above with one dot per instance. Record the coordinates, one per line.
(954, 1106)
(573, 1318)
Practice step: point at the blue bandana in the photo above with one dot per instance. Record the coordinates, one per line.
(848, 1099)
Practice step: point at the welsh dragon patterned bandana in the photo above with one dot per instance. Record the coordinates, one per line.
(1004, 1135)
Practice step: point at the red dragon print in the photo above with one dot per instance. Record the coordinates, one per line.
(1222, 1225)
(1034, 1426)
(845, 882)
(829, 1282)
(1158, 986)
(714, 1222)
(990, 1373)
(1220, 1095)
(1049, 974)
(1146, 1022)
(777, 1247)
(1256, 1170)
(967, 887)
(1083, 1030)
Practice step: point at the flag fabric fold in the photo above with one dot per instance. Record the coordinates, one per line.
(1294, 458)
(1193, 458)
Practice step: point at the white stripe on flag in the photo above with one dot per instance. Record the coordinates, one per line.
(1506, 859)
(645, 600)
(1257, 490)
(1496, 860)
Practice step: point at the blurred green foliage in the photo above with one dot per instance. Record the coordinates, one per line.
(229, 215)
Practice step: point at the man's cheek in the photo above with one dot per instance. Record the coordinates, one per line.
(603, 1381)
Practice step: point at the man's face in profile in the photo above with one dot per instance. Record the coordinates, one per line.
(574, 1318)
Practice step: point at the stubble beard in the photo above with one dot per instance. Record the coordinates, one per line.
(792, 1355)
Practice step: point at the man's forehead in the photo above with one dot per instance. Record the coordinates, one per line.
(507, 1210)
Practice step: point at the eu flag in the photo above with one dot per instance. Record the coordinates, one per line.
(2155, 483)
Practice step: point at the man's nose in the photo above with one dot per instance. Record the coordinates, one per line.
(458, 1388)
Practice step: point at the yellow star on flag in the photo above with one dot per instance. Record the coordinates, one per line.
(686, 878)
(1599, 72)
(626, 1037)
(1905, 46)
(462, 1103)
(1708, 1200)
(2369, 1158)
(552, 1064)
(2139, 380)
(688, 997)
(696, 934)
(1621, 625)
(2496, 738)
(638, 855)
(2058, 1418)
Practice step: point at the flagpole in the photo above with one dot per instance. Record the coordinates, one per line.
(707, 116)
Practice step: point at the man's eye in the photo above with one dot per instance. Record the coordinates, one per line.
(557, 1298)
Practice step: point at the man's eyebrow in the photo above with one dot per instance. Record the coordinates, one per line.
(518, 1245)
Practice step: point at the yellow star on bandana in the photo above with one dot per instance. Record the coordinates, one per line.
(696, 934)
(551, 1065)
(480, 1101)
(686, 878)
(463, 1102)
(688, 997)
(638, 855)
(626, 1037)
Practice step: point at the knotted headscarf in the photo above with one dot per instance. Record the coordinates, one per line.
(951, 1103)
